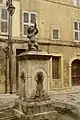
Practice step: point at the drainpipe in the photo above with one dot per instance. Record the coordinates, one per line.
(11, 10)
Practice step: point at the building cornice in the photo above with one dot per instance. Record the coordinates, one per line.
(50, 42)
(60, 43)
(44, 42)
(66, 5)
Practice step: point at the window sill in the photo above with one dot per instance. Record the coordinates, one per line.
(3, 36)
(56, 79)
(76, 41)
(76, 6)
(56, 39)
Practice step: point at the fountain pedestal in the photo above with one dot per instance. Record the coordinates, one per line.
(30, 63)
(34, 77)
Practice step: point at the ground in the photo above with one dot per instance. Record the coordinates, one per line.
(68, 101)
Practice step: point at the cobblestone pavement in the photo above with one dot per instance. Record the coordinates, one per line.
(61, 99)
(67, 99)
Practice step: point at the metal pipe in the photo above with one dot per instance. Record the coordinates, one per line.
(6, 50)
(10, 9)
(10, 52)
(5, 74)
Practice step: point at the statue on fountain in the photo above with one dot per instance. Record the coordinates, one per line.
(32, 31)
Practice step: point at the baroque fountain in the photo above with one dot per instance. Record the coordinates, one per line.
(34, 75)
(34, 101)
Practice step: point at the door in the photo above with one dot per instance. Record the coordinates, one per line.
(76, 72)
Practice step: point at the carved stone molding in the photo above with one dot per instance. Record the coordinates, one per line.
(40, 94)
(22, 77)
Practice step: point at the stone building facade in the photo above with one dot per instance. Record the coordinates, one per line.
(58, 22)
(4, 40)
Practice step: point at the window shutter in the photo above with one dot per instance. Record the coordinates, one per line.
(4, 21)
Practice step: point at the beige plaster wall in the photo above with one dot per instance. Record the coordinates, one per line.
(50, 14)
(67, 53)
(53, 14)
(16, 20)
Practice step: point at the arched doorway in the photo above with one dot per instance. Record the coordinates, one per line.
(75, 71)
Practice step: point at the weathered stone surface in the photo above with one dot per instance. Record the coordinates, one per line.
(69, 102)
(36, 110)
(32, 62)
(7, 101)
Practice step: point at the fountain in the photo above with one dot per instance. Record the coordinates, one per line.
(34, 102)
(34, 76)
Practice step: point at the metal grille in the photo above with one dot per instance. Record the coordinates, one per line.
(55, 34)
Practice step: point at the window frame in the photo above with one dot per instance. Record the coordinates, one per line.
(23, 35)
(2, 3)
(76, 3)
(3, 20)
(58, 33)
(59, 68)
(78, 31)
(59, 82)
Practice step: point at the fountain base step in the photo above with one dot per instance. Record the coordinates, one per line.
(42, 110)
(51, 115)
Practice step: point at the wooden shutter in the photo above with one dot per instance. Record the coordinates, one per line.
(4, 21)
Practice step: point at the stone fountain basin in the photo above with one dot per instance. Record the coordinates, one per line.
(36, 110)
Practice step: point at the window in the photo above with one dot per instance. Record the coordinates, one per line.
(29, 18)
(75, 70)
(1, 1)
(55, 34)
(76, 2)
(56, 67)
(76, 30)
(4, 20)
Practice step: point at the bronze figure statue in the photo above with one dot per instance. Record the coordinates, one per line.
(32, 31)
